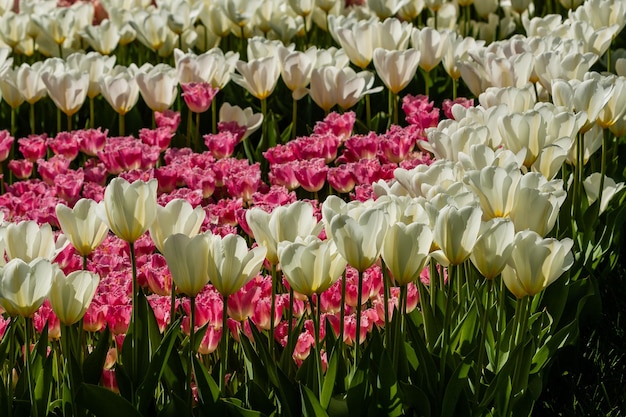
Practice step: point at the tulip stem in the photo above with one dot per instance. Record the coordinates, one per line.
(368, 112)
(214, 116)
(58, 120)
(315, 310)
(357, 336)
(197, 132)
(69, 122)
(133, 321)
(172, 303)
(290, 322)
(13, 121)
(272, 307)
(92, 113)
(31, 387)
(294, 118)
(224, 346)
(121, 125)
(342, 308)
(67, 346)
(192, 344)
(452, 272)
(386, 283)
(32, 117)
(189, 123)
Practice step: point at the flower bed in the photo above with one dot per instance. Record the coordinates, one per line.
(359, 248)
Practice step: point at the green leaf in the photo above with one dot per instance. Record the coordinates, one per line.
(173, 407)
(157, 365)
(94, 362)
(329, 380)
(104, 403)
(235, 408)
(208, 391)
(415, 398)
(311, 407)
(427, 370)
(457, 384)
(388, 397)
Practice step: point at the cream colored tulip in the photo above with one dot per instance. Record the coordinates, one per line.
(296, 69)
(396, 68)
(28, 241)
(284, 223)
(537, 203)
(120, 89)
(29, 82)
(496, 189)
(94, 64)
(71, 295)
(10, 89)
(359, 239)
(609, 189)
(493, 247)
(258, 76)
(25, 285)
(178, 216)
(535, 263)
(455, 233)
(230, 264)
(187, 259)
(129, 209)
(68, 90)
(103, 37)
(406, 251)
(311, 265)
(82, 226)
(158, 86)
(243, 117)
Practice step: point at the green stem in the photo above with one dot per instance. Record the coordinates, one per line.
(290, 323)
(214, 116)
(67, 346)
(31, 384)
(315, 312)
(172, 303)
(133, 322)
(368, 111)
(192, 344)
(224, 346)
(294, 119)
(402, 302)
(189, 127)
(445, 345)
(427, 81)
(69, 123)
(58, 120)
(342, 308)
(197, 133)
(13, 121)
(32, 117)
(386, 291)
(122, 124)
(92, 113)
(272, 308)
(357, 337)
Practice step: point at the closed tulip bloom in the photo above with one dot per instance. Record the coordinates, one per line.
(537, 203)
(158, 87)
(360, 240)
(178, 216)
(322, 87)
(535, 263)
(71, 295)
(493, 247)
(311, 265)
(25, 285)
(120, 89)
(95, 65)
(187, 259)
(285, 223)
(9, 88)
(67, 89)
(29, 82)
(230, 264)
(496, 188)
(27, 241)
(82, 226)
(405, 251)
(396, 68)
(609, 189)
(351, 87)
(431, 43)
(129, 209)
(456, 231)
(258, 76)
(296, 69)
(103, 37)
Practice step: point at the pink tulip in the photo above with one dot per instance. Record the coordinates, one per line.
(360, 147)
(6, 143)
(339, 125)
(284, 175)
(396, 144)
(159, 137)
(281, 154)
(49, 169)
(64, 143)
(341, 178)
(21, 168)
(91, 141)
(33, 147)
(198, 96)
(68, 186)
(311, 174)
(222, 144)
(419, 111)
(169, 119)
(448, 104)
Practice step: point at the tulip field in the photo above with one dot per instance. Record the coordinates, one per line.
(312, 208)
